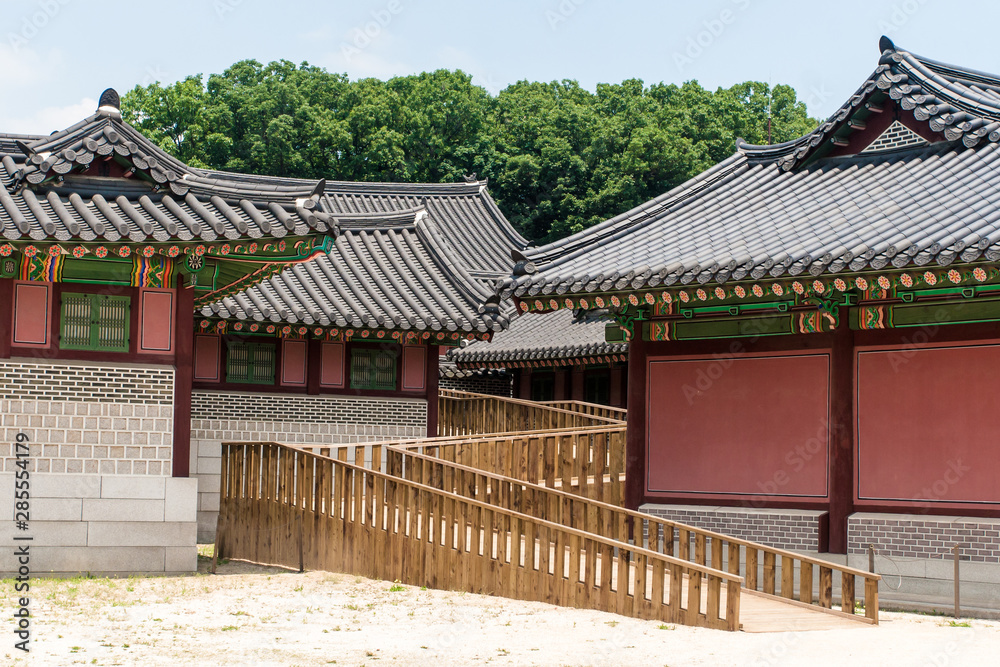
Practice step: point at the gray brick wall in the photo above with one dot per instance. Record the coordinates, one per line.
(923, 536)
(797, 530)
(78, 423)
(495, 385)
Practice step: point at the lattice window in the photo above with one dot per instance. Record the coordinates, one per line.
(895, 136)
(250, 363)
(95, 322)
(373, 369)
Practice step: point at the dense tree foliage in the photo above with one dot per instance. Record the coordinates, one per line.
(559, 157)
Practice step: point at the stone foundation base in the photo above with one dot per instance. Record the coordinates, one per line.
(104, 524)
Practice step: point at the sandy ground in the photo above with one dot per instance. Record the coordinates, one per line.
(252, 615)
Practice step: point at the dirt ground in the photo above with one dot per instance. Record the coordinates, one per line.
(252, 615)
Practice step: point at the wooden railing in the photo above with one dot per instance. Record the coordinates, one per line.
(587, 462)
(604, 411)
(765, 569)
(287, 506)
(468, 413)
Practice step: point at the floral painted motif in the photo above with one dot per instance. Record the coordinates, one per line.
(524, 307)
(683, 296)
(954, 276)
(840, 285)
(101, 251)
(906, 280)
(30, 251)
(930, 278)
(199, 250)
(254, 327)
(584, 304)
(568, 303)
(615, 301)
(538, 304)
(740, 291)
(281, 246)
(667, 298)
(252, 248)
(978, 273)
(173, 251)
(79, 251)
(148, 251)
(720, 293)
(599, 301)
(6, 249)
(286, 330)
(818, 286)
(124, 251)
(650, 299)
(225, 249)
(702, 296)
(54, 251)
(861, 283)
(553, 304)
(380, 334)
(633, 299)
(238, 326)
(777, 289)
(318, 331)
(798, 287)
(303, 331)
(270, 328)
(757, 290)
(884, 282)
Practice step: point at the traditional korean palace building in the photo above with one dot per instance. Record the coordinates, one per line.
(558, 356)
(150, 310)
(814, 328)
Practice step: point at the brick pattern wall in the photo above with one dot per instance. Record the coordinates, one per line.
(77, 423)
(794, 530)
(922, 536)
(482, 384)
(86, 382)
(218, 417)
(237, 408)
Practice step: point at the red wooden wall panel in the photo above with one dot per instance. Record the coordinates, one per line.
(207, 364)
(156, 321)
(293, 362)
(739, 425)
(926, 429)
(414, 368)
(332, 361)
(32, 309)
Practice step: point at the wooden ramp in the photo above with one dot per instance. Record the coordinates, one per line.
(530, 515)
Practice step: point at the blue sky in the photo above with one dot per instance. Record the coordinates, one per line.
(56, 56)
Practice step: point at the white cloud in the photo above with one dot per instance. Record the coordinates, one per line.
(48, 119)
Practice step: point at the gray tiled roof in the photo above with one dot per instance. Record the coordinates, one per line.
(786, 210)
(391, 272)
(561, 334)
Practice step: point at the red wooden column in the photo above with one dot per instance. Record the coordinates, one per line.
(6, 315)
(617, 394)
(524, 386)
(433, 357)
(576, 383)
(635, 443)
(183, 362)
(314, 366)
(841, 436)
(559, 393)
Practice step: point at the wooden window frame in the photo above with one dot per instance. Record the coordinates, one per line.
(251, 377)
(95, 323)
(372, 353)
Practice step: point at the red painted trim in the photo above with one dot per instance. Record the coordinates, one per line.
(184, 345)
(294, 373)
(328, 362)
(414, 378)
(6, 315)
(200, 341)
(432, 392)
(877, 123)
